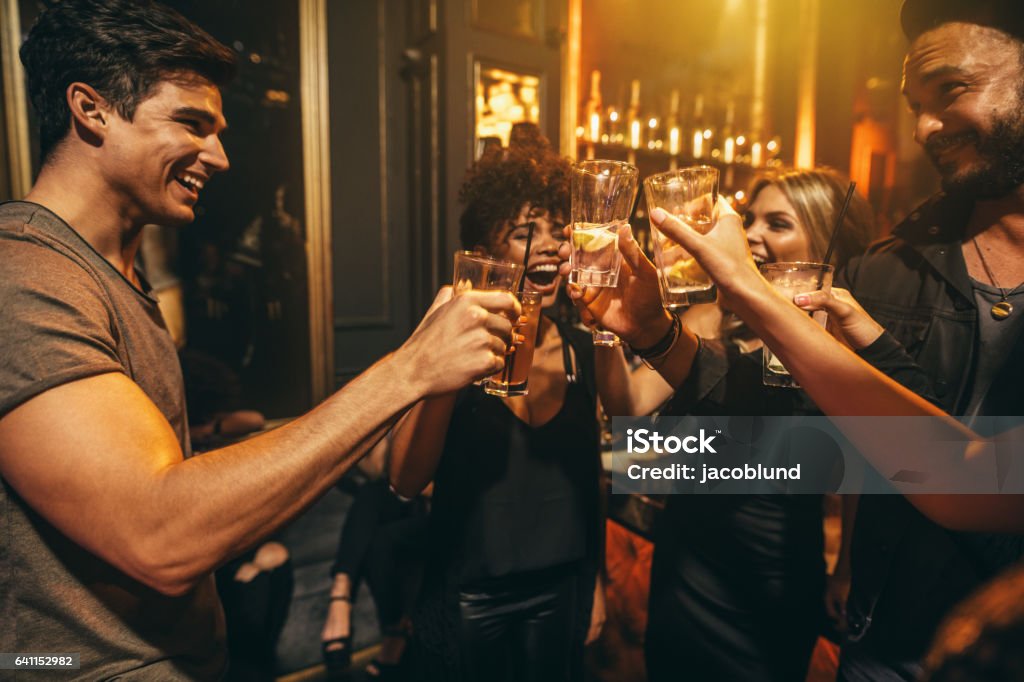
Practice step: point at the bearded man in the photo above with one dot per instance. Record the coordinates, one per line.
(949, 284)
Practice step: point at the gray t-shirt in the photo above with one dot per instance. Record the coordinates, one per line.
(67, 314)
(997, 339)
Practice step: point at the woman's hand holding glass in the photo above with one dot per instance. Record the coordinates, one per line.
(722, 252)
(725, 255)
(847, 321)
(632, 309)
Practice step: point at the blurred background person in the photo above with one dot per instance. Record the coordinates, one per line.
(382, 541)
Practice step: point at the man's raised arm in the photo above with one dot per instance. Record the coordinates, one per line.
(99, 461)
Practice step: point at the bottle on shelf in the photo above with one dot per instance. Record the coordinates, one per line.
(701, 139)
(729, 142)
(614, 126)
(634, 126)
(593, 109)
(672, 124)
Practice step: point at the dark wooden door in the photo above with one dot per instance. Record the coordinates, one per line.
(403, 79)
(452, 45)
(370, 206)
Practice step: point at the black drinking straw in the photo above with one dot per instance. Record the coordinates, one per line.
(835, 230)
(526, 258)
(506, 372)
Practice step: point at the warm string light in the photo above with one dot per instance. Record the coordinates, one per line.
(733, 148)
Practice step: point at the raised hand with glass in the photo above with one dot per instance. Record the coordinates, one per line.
(791, 279)
(475, 271)
(690, 195)
(603, 193)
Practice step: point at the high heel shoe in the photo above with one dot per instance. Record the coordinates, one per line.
(390, 672)
(337, 652)
(384, 672)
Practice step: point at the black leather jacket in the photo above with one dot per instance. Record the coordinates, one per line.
(907, 571)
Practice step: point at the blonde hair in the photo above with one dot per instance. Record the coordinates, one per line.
(817, 197)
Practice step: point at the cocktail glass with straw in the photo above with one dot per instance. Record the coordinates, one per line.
(797, 278)
(475, 271)
(513, 379)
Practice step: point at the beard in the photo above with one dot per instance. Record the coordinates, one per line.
(1000, 166)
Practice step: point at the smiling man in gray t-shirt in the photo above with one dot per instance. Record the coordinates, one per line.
(111, 529)
(67, 315)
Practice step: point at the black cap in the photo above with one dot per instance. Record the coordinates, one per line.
(918, 16)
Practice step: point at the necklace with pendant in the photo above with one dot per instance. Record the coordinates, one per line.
(1002, 309)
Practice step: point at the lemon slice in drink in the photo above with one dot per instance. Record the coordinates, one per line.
(592, 241)
(686, 270)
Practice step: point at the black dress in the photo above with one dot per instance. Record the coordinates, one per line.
(515, 530)
(737, 581)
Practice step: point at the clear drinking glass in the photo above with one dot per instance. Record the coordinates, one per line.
(476, 271)
(602, 201)
(690, 195)
(512, 380)
(603, 193)
(792, 279)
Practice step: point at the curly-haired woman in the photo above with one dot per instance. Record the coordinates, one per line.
(511, 587)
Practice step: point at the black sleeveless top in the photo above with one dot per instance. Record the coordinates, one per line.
(509, 497)
(509, 500)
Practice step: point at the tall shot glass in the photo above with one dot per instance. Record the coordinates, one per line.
(690, 195)
(476, 271)
(602, 200)
(512, 379)
(791, 279)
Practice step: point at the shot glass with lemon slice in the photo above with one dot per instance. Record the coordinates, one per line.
(602, 200)
(599, 250)
(690, 195)
(595, 254)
